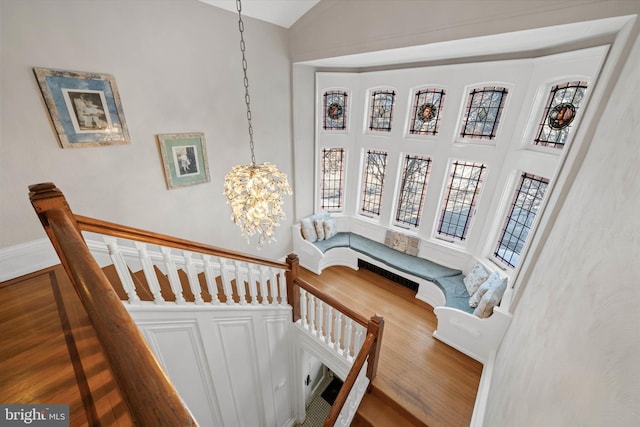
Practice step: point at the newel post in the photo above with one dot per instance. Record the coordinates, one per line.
(293, 290)
(375, 326)
(46, 197)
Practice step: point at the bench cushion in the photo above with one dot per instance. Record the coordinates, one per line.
(417, 266)
(340, 240)
(455, 292)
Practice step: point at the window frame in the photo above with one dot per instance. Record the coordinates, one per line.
(341, 180)
(444, 203)
(423, 191)
(367, 155)
(507, 220)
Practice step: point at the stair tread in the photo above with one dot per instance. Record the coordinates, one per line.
(375, 411)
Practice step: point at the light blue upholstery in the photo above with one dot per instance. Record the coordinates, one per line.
(417, 266)
(455, 292)
(340, 240)
(448, 279)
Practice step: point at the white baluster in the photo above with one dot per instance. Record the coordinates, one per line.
(254, 274)
(337, 331)
(227, 277)
(264, 279)
(210, 273)
(303, 308)
(358, 332)
(282, 281)
(242, 293)
(121, 268)
(149, 272)
(273, 287)
(328, 311)
(172, 273)
(192, 275)
(348, 328)
(312, 313)
(319, 318)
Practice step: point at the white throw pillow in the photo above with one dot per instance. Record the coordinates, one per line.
(490, 299)
(330, 228)
(492, 282)
(319, 224)
(308, 229)
(476, 277)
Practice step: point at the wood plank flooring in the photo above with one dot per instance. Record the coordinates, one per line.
(434, 382)
(49, 352)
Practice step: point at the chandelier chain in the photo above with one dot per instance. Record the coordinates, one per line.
(247, 98)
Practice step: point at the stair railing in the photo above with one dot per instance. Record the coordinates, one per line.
(151, 397)
(208, 271)
(347, 333)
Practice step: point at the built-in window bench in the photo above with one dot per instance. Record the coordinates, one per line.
(439, 286)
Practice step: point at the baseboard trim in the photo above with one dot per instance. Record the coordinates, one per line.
(482, 397)
(25, 258)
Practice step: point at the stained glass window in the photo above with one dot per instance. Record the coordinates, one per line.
(459, 202)
(425, 116)
(562, 106)
(483, 111)
(335, 110)
(415, 177)
(332, 179)
(375, 165)
(524, 208)
(381, 110)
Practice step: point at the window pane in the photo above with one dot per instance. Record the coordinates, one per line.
(335, 110)
(427, 106)
(459, 202)
(381, 110)
(562, 106)
(415, 177)
(483, 111)
(524, 208)
(375, 165)
(331, 190)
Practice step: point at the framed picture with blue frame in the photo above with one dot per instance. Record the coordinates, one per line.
(84, 108)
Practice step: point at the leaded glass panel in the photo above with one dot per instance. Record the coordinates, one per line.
(425, 117)
(524, 208)
(559, 113)
(483, 111)
(381, 110)
(375, 166)
(332, 179)
(459, 202)
(415, 177)
(335, 110)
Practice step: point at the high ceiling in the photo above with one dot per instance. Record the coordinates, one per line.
(280, 12)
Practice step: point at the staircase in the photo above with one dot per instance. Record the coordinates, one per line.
(151, 270)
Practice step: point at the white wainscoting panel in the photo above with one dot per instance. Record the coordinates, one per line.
(232, 366)
(178, 347)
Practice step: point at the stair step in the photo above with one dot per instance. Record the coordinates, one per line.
(378, 410)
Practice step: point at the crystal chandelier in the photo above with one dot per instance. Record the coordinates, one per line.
(255, 192)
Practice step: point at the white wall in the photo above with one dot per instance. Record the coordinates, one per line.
(571, 355)
(178, 69)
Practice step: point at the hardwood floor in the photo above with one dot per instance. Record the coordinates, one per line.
(48, 357)
(49, 352)
(432, 381)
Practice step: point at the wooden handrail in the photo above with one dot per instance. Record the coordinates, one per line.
(151, 397)
(131, 233)
(331, 301)
(370, 349)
